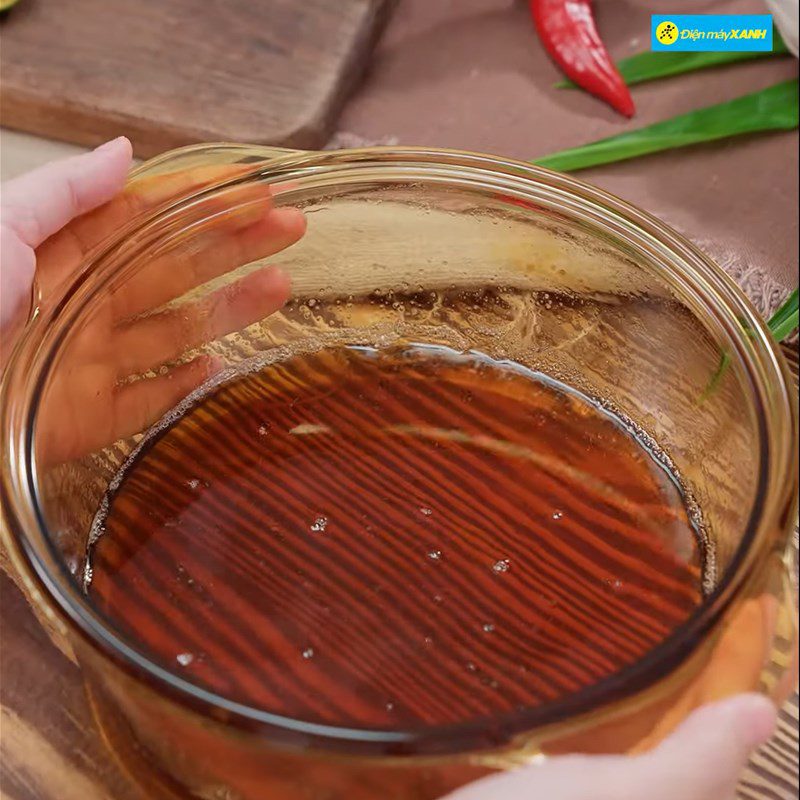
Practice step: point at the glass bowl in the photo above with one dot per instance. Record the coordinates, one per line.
(463, 250)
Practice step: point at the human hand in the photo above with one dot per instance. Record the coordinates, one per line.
(128, 364)
(37, 205)
(702, 760)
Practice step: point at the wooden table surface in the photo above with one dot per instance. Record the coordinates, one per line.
(49, 744)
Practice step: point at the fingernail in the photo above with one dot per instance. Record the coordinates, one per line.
(109, 145)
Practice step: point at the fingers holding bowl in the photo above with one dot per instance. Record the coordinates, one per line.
(701, 760)
(200, 289)
(63, 253)
(148, 342)
(91, 411)
(169, 294)
(207, 255)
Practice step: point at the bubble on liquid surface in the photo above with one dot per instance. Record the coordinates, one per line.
(502, 565)
(309, 429)
(426, 511)
(488, 627)
(557, 515)
(308, 653)
(435, 555)
(319, 524)
(263, 430)
(193, 483)
(184, 659)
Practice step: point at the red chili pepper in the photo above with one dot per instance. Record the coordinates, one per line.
(568, 32)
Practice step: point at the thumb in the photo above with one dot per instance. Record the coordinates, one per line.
(38, 204)
(702, 760)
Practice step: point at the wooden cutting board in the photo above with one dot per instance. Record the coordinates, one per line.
(167, 73)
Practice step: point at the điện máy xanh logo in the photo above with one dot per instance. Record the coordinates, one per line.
(711, 32)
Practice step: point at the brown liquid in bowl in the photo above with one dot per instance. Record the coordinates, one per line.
(396, 538)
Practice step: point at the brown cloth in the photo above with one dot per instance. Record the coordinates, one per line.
(472, 74)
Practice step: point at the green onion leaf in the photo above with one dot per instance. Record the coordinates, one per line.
(650, 66)
(784, 321)
(781, 324)
(716, 378)
(775, 108)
